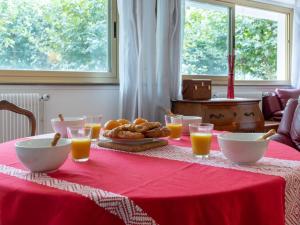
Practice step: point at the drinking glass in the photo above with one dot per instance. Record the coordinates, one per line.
(174, 123)
(81, 143)
(94, 122)
(201, 136)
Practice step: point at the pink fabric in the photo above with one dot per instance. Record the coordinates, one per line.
(295, 128)
(171, 192)
(278, 113)
(285, 94)
(271, 106)
(289, 127)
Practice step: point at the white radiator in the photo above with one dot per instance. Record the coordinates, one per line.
(13, 125)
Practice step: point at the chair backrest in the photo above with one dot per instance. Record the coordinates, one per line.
(5, 105)
(289, 128)
(285, 94)
(270, 105)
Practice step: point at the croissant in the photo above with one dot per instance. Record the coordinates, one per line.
(158, 132)
(134, 131)
(148, 126)
(130, 135)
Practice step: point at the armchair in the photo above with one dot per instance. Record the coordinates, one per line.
(289, 128)
(273, 103)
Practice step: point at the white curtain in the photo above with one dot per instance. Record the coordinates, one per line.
(149, 56)
(169, 41)
(296, 47)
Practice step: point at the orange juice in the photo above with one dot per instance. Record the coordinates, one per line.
(81, 148)
(95, 129)
(176, 130)
(201, 143)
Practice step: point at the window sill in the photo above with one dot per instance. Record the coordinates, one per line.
(56, 77)
(222, 81)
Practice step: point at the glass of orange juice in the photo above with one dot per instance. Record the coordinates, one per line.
(94, 122)
(81, 143)
(174, 123)
(201, 136)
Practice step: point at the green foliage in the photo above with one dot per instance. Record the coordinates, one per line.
(205, 42)
(256, 48)
(206, 45)
(54, 35)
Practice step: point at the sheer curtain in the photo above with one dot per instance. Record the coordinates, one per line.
(296, 47)
(149, 56)
(169, 37)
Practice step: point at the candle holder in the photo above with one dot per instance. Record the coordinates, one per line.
(230, 85)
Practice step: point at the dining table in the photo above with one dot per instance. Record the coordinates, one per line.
(165, 185)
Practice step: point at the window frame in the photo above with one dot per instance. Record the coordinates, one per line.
(73, 77)
(222, 80)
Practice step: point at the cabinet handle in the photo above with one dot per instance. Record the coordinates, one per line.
(249, 114)
(219, 116)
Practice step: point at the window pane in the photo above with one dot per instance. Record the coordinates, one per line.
(205, 46)
(59, 35)
(260, 44)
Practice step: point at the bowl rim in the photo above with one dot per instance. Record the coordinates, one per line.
(69, 119)
(192, 117)
(67, 143)
(221, 137)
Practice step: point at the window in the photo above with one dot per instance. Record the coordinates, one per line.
(258, 36)
(205, 39)
(58, 41)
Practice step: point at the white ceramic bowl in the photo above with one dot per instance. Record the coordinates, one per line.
(39, 156)
(242, 148)
(61, 126)
(186, 120)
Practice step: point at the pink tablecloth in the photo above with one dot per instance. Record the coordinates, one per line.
(161, 191)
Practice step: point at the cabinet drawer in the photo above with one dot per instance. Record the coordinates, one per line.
(248, 113)
(219, 116)
(237, 115)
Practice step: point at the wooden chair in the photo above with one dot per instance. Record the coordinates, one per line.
(5, 105)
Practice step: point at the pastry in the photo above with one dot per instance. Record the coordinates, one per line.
(139, 121)
(138, 131)
(148, 126)
(158, 132)
(111, 124)
(130, 135)
(123, 121)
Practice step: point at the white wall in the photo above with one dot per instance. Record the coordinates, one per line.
(73, 100)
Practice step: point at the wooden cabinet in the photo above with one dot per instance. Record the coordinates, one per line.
(237, 115)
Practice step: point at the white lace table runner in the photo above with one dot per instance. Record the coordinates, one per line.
(288, 169)
(116, 204)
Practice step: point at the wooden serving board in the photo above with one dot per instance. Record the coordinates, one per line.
(133, 148)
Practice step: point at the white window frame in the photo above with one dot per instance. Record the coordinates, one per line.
(222, 80)
(71, 77)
